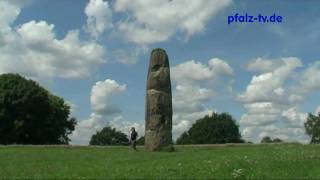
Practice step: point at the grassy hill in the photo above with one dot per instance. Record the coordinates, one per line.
(287, 161)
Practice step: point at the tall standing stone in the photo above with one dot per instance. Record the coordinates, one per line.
(158, 125)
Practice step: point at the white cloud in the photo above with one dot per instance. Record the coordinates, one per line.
(257, 119)
(182, 121)
(279, 91)
(86, 128)
(140, 35)
(262, 65)
(158, 20)
(294, 118)
(33, 50)
(99, 17)
(311, 77)
(128, 55)
(20, 3)
(73, 107)
(220, 67)
(272, 101)
(262, 108)
(101, 97)
(36, 33)
(193, 90)
(9, 13)
(105, 110)
(190, 98)
(287, 134)
(295, 98)
(200, 72)
(268, 86)
(317, 111)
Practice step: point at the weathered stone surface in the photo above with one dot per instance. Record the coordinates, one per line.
(158, 125)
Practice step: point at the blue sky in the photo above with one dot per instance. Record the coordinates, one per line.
(95, 53)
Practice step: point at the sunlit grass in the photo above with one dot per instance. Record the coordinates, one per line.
(286, 161)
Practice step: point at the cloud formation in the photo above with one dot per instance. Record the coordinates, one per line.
(157, 21)
(104, 110)
(273, 97)
(192, 90)
(32, 49)
(311, 77)
(101, 97)
(269, 85)
(200, 72)
(99, 17)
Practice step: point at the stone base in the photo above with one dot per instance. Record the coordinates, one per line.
(158, 140)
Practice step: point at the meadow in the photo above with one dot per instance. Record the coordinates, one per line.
(286, 161)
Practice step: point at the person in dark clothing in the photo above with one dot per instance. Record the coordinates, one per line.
(133, 138)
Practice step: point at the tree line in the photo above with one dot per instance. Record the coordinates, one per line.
(30, 114)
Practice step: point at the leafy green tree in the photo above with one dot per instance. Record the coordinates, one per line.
(29, 114)
(214, 129)
(277, 140)
(140, 141)
(184, 138)
(312, 128)
(266, 139)
(109, 136)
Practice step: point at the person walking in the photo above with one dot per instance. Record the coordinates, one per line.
(133, 138)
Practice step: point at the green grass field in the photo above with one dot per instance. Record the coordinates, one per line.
(287, 161)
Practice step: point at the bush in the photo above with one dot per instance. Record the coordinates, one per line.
(109, 136)
(267, 139)
(214, 129)
(277, 140)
